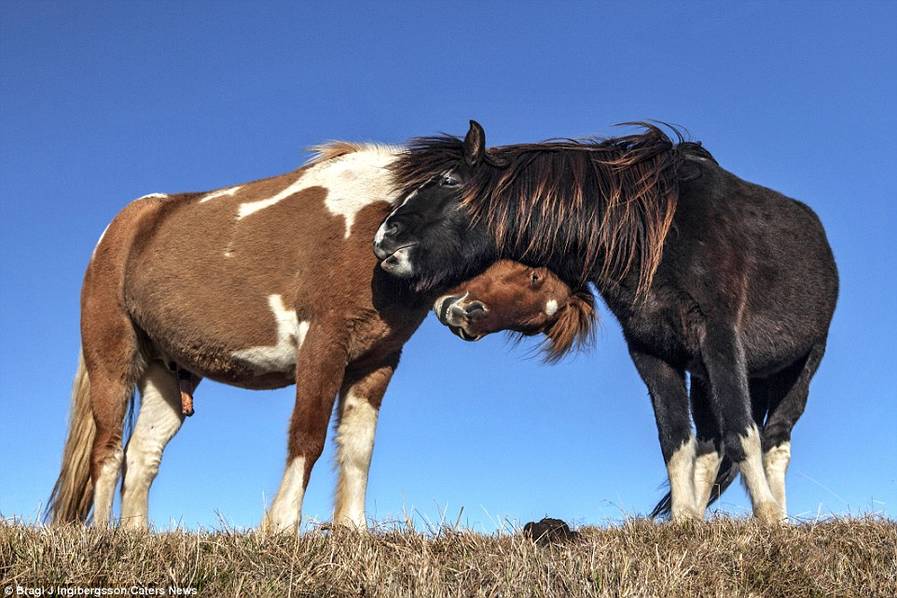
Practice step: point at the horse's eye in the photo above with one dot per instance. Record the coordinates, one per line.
(448, 180)
(535, 278)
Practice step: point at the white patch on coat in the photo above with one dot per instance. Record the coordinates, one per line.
(775, 463)
(159, 420)
(104, 492)
(764, 503)
(152, 196)
(230, 192)
(285, 513)
(551, 307)
(352, 181)
(355, 444)
(680, 469)
(280, 357)
(706, 468)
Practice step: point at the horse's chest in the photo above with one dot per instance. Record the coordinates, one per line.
(377, 335)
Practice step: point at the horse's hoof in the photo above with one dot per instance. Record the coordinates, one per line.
(686, 515)
(769, 513)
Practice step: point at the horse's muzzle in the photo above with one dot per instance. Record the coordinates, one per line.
(458, 314)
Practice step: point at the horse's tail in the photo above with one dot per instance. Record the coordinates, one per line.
(726, 474)
(72, 495)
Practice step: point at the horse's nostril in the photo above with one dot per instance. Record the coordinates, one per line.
(475, 310)
(442, 306)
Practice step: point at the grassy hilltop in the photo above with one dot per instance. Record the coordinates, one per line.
(837, 557)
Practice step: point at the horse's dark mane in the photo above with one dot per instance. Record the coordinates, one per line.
(607, 202)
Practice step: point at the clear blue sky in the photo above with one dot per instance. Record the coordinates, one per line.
(104, 102)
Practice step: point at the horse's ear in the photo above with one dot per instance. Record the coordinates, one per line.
(474, 144)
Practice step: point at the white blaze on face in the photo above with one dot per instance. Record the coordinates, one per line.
(229, 192)
(352, 181)
(381, 231)
(280, 357)
(551, 307)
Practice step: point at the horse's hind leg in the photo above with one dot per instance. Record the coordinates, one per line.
(159, 420)
(713, 471)
(360, 401)
(789, 390)
(113, 363)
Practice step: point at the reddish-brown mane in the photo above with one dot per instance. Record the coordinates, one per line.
(574, 329)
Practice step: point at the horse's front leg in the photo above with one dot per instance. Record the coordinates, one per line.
(666, 386)
(360, 401)
(320, 368)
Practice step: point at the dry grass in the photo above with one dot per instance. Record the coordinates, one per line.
(839, 557)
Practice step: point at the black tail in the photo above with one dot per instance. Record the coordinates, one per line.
(727, 473)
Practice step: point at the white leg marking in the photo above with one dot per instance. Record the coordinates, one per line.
(355, 443)
(104, 492)
(352, 181)
(286, 510)
(706, 468)
(280, 357)
(681, 472)
(230, 192)
(775, 462)
(764, 504)
(551, 307)
(159, 420)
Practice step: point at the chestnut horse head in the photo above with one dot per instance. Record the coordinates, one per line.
(519, 298)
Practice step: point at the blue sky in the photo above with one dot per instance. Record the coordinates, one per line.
(104, 102)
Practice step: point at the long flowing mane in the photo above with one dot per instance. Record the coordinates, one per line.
(594, 209)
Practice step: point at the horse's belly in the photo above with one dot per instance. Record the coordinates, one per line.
(244, 339)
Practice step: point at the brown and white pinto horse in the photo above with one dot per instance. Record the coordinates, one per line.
(259, 285)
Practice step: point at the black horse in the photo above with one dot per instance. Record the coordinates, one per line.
(709, 275)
